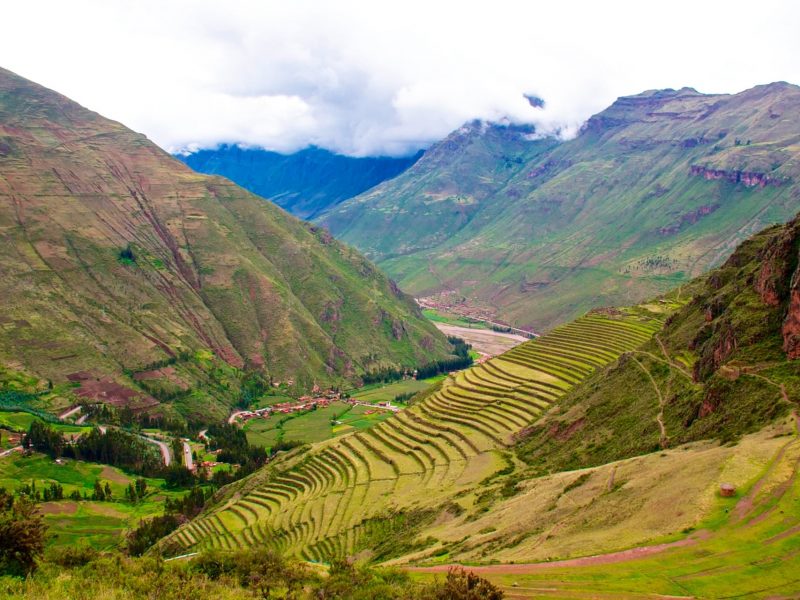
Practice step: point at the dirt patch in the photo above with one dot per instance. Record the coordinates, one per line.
(484, 341)
(110, 392)
(111, 474)
(106, 510)
(58, 508)
(165, 373)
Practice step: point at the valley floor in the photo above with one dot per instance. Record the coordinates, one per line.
(485, 341)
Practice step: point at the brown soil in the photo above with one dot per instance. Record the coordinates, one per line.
(115, 394)
(111, 475)
(58, 508)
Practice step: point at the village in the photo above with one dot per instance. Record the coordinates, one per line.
(317, 399)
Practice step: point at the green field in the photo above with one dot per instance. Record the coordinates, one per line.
(98, 524)
(386, 392)
(21, 421)
(451, 319)
(357, 418)
(307, 427)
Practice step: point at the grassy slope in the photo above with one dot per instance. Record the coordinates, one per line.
(676, 375)
(594, 474)
(748, 548)
(609, 218)
(215, 267)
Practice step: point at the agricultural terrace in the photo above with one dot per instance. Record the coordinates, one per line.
(335, 498)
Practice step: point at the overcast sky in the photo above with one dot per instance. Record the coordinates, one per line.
(375, 77)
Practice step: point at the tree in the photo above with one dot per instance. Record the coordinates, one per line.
(98, 493)
(107, 491)
(141, 487)
(22, 536)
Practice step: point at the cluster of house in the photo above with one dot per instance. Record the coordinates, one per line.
(317, 399)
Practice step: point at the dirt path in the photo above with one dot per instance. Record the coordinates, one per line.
(673, 363)
(660, 415)
(484, 341)
(69, 412)
(10, 450)
(234, 416)
(597, 559)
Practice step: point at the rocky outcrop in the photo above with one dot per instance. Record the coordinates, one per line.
(715, 351)
(777, 262)
(746, 178)
(791, 324)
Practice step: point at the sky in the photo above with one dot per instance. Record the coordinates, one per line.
(383, 78)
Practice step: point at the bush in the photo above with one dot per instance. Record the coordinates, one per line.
(150, 531)
(463, 585)
(22, 536)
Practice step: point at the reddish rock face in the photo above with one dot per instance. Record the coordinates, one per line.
(776, 260)
(746, 178)
(791, 324)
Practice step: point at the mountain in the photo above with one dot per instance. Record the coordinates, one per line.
(305, 183)
(129, 274)
(616, 432)
(653, 191)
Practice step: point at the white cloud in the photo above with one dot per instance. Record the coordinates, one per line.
(368, 77)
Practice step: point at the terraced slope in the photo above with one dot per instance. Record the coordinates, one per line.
(344, 496)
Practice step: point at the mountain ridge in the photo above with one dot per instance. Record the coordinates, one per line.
(117, 257)
(617, 214)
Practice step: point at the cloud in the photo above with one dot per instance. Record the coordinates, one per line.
(368, 78)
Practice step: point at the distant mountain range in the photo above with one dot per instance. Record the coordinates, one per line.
(126, 272)
(653, 191)
(305, 183)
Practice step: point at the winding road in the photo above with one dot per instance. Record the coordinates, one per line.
(187, 456)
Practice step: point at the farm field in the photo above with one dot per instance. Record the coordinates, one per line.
(98, 524)
(307, 427)
(450, 319)
(387, 392)
(360, 417)
(347, 494)
(21, 422)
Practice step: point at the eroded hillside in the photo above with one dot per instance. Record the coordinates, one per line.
(121, 267)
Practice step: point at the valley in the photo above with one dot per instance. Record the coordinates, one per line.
(571, 370)
(651, 192)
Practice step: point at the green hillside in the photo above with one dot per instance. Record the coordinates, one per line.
(653, 191)
(611, 432)
(140, 280)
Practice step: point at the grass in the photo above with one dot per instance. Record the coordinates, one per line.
(751, 552)
(387, 392)
(450, 319)
(98, 524)
(21, 422)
